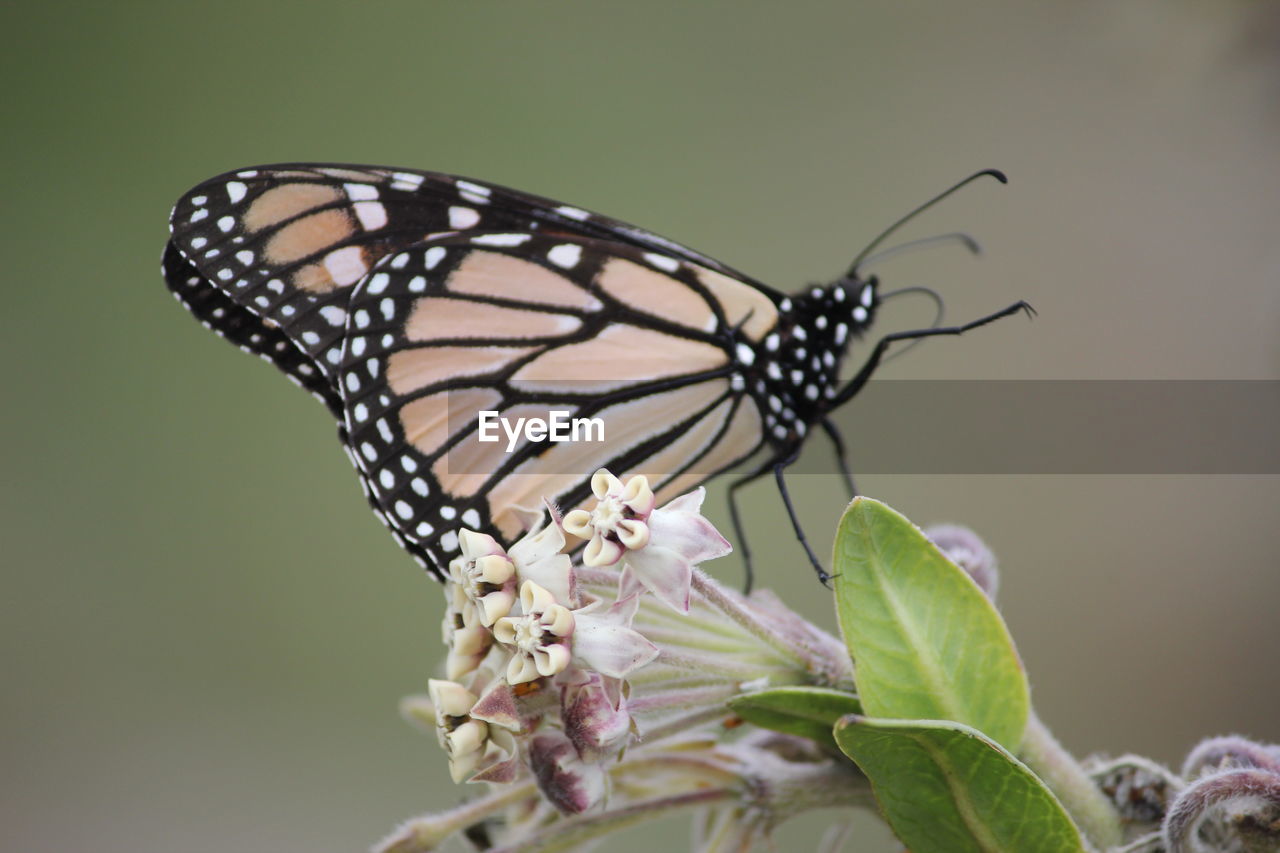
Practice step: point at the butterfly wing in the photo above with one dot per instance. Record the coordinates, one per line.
(288, 243)
(524, 324)
(282, 260)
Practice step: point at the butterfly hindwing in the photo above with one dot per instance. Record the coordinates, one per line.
(523, 323)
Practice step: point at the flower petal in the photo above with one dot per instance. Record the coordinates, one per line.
(611, 649)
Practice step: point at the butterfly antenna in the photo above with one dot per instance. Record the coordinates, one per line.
(886, 233)
(939, 313)
(923, 243)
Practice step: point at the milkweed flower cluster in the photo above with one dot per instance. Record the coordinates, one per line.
(583, 695)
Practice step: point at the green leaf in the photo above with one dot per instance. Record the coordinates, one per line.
(809, 712)
(947, 788)
(926, 643)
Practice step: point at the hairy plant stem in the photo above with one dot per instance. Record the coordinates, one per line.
(1082, 799)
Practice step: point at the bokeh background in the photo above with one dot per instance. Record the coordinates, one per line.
(205, 633)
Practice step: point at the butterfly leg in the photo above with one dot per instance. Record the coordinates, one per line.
(779, 467)
(854, 385)
(842, 456)
(739, 531)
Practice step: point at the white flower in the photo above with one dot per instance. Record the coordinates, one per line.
(465, 739)
(618, 522)
(486, 575)
(467, 640)
(539, 637)
(679, 539)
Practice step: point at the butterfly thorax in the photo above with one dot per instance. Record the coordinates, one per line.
(796, 374)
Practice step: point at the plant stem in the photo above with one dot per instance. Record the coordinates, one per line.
(1082, 799)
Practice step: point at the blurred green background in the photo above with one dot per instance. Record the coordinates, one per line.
(204, 631)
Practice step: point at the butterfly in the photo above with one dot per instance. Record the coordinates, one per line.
(411, 302)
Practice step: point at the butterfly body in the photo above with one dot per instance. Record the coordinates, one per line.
(409, 301)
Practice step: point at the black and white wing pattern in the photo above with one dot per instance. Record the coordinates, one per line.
(410, 301)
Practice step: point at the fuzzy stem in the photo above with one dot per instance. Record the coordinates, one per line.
(421, 834)
(715, 595)
(1082, 799)
(567, 834)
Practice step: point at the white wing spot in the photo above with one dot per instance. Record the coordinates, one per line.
(384, 430)
(198, 215)
(226, 223)
(346, 265)
(501, 239)
(449, 541)
(310, 337)
(418, 484)
(662, 262)
(565, 255)
(244, 256)
(746, 354)
(372, 214)
(424, 529)
(572, 212)
(448, 513)
(399, 261)
(357, 346)
(368, 451)
(471, 518)
(388, 307)
(473, 189)
(198, 242)
(361, 192)
(404, 510)
(333, 315)
(353, 382)
(463, 217)
(378, 283)
(417, 284)
(409, 465)
(236, 191)
(433, 256)
(360, 412)
(386, 478)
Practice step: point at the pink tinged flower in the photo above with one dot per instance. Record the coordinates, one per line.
(595, 717)
(537, 557)
(464, 739)
(679, 538)
(606, 643)
(539, 638)
(565, 780)
(618, 522)
(486, 575)
(465, 637)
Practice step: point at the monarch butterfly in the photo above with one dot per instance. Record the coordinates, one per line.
(409, 301)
